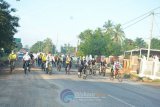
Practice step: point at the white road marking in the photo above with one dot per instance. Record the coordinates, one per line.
(121, 101)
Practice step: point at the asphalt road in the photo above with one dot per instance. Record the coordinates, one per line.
(38, 89)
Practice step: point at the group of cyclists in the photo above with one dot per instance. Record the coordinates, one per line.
(92, 66)
(44, 60)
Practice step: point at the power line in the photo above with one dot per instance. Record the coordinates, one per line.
(136, 22)
(157, 25)
(140, 16)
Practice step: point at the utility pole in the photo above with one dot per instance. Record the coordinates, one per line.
(150, 38)
(57, 44)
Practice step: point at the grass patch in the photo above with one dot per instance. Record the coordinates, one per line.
(133, 77)
(156, 80)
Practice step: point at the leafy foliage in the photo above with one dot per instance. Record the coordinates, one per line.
(67, 49)
(155, 43)
(106, 41)
(140, 43)
(43, 46)
(8, 25)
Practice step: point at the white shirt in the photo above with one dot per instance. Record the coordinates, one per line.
(49, 57)
(26, 57)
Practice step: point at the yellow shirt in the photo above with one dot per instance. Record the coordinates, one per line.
(68, 59)
(12, 56)
(44, 58)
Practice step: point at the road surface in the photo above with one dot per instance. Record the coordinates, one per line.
(38, 89)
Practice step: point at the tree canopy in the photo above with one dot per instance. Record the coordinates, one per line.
(8, 25)
(110, 40)
(43, 46)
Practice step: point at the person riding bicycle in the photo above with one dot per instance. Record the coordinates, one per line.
(68, 61)
(102, 67)
(12, 58)
(84, 64)
(26, 59)
(40, 59)
(44, 59)
(32, 57)
(116, 67)
(59, 62)
(48, 59)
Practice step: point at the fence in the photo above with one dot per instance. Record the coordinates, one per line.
(150, 68)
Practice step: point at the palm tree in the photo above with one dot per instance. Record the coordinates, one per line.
(118, 34)
(108, 27)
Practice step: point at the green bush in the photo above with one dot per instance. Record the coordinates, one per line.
(4, 58)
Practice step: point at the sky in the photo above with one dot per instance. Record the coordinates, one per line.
(64, 20)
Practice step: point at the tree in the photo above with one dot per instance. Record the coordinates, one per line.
(108, 27)
(118, 34)
(94, 43)
(85, 34)
(106, 41)
(37, 47)
(140, 43)
(8, 25)
(47, 45)
(43, 46)
(67, 49)
(155, 43)
(128, 44)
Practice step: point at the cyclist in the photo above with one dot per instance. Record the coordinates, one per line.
(59, 62)
(48, 59)
(48, 64)
(12, 58)
(32, 58)
(26, 59)
(103, 66)
(68, 61)
(44, 59)
(116, 67)
(40, 59)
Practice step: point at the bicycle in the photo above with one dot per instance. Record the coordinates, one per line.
(67, 69)
(26, 67)
(12, 66)
(102, 70)
(82, 71)
(117, 75)
(59, 67)
(49, 68)
(43, 66)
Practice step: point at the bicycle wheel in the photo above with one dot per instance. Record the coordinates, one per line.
(50, 69)
(111, 76)
(25, 69)
(79, 74)
(119, 77)
(11, 69)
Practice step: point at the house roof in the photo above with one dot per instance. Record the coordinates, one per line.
(141, 49)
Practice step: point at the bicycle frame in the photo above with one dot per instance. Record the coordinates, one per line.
(49, 68)
(26, 66)
(12, 65)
